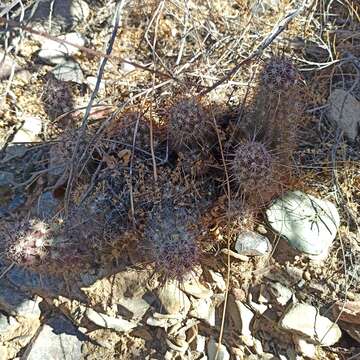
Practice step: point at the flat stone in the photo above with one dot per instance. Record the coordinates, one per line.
(173, 300)
(53, 52)
(69, 70)
(305, 320)
(6, 323)
(280, 293)
(305, 348)
(195, 288)
(344, 111)
(218, 280)
(204, 309)
(29, 131)
(214, 354)
(348, 311)
(309, 224)
(17, 303)
(64, 14)
(91, 82)
(252, 244)
(109, 322)
(58, 338)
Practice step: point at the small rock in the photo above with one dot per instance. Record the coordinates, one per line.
(108, 322)
(58, 338)
(281, 293)
(29, 131)
(200, 343)
(344, 111)
(16, 303)
(305, 320)
(91, 82)
(195, 288)
(252, 244)
(6, 323)
(349, 311)
(309, 224)
(173, 300)
(204, 309)
(69, 70)
(305, 348)
(7, 64)
(246, 316)
(53, 52)
(214, 353)
(126, 67)
(218, 279)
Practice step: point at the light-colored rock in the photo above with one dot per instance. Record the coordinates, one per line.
(109, 322)
(29, 131)
(280, 293)
(252, 244)
(195, 288)
(6, 323)
(54, 52)
(57, 339)
(305, 348)
(126, 67)
(216, 352)
(200, 343)
(309, 224)
(344, 110)
(17, 303)
(218, 280)
(246, 316)
(173, 300)
(91, 82)
(3, 352)
(305, 320)
(204, 309)
(69, 70)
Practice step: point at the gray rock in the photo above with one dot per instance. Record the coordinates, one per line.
(57, 339)
(305, 320)
(53, 52)
(203, 309)
(69, 70)
(64, 15)
(109, 322)
(344, 111)
(251, 243)
(17, 303)
(309, 224)
(214, 354)
(173, 300)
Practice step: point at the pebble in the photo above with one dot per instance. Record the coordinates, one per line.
(91, 82)
(173, 300)
(305, 348)
(212, 350)
(203, 309)
(195, 288)
(246, 317)
(281, 293)
(69, 70)
(53, 52)
(308, 223)
(344, 110)
(305, 320)
(109, 322)
(218, 279)
(57, 338)
(29, 131)
(252, 244)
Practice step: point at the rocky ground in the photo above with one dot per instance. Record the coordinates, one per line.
(128, 232)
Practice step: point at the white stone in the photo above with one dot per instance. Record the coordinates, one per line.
(305, 348)
(173, 300)
(91, 82)
(252, 244)
(54, 52)
(213, 352)
(344, 110)
(305, 320)
(218, 279)
(108, 322)
(204, 310)
(195, 288)
(309, 224)
(246, 316)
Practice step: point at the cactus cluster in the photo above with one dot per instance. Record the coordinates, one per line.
(279, 74)
(172, 240)
(251, 165)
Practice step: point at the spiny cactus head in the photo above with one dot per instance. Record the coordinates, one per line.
(251, 165)
(28, 243)
(172, 241)
(279, 74)
(189, 125)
